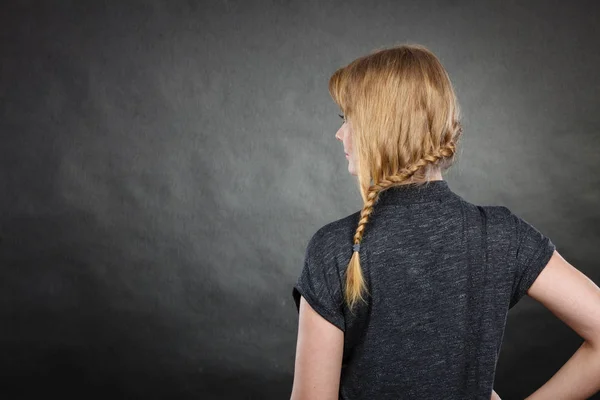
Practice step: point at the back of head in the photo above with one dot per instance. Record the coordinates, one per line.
(406, 126)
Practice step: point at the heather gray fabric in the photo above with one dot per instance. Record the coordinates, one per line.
(442, 273)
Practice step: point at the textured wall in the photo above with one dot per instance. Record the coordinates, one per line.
(164, 163)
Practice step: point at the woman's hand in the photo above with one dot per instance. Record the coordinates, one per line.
(495, 395)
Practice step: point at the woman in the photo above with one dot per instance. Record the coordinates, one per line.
(408, 298)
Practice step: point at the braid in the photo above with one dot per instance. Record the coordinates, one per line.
(354, 279)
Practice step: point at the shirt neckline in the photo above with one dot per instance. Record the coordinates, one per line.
(435, 190)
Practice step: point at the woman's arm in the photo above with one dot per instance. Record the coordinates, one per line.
(575, 299)
(319, 352)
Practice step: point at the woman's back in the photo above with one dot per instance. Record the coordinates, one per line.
(442, 274)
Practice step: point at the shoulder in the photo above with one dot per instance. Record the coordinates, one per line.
(331, 239)
(506, 220)
(491, 214)
(497, 216)
(499, 213)
(332, 232)
(326, 257)
(497, 222)
(503, 226)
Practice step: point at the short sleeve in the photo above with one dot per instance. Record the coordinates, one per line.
(319, 282)
(530, 253)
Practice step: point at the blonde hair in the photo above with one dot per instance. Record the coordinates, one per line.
(405, 122)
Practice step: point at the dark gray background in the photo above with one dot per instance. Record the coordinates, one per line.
(164, 163)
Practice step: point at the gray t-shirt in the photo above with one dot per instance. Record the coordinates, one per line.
(442, 273)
